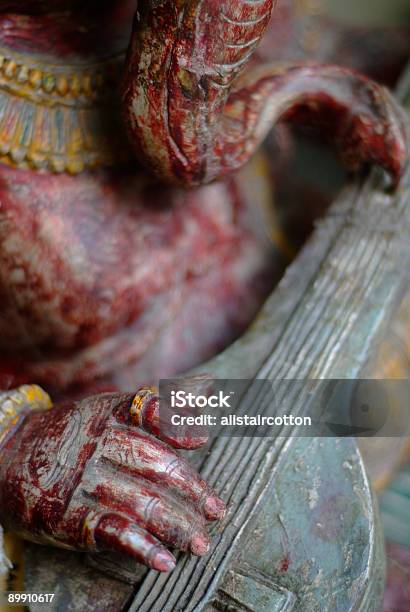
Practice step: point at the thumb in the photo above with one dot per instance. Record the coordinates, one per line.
(146, 413)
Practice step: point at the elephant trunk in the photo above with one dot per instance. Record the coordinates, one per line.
(196, 107)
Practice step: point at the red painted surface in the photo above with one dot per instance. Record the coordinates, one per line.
(284, 565)
(91, 275)
(195, 112)
(111, 279)
(81, 476)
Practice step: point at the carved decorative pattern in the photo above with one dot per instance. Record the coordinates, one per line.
(14, 404)
(248, 590)
(59, 117)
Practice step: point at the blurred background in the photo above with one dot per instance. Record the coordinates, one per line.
(370, 12)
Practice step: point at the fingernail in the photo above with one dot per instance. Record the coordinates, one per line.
(214, 508)
(199, 545)
(163, 562)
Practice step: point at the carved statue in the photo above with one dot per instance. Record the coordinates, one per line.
(96, 482)
(112, 272)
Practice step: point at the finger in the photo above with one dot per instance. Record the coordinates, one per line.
(116, 533)
(174, 523)
(145, 413)
(143, 455)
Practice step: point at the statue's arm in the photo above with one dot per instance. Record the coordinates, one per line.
(14, 406)
(196, 108)
(91, 476)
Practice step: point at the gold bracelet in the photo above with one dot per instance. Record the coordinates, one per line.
(139, 403)
(16, 403)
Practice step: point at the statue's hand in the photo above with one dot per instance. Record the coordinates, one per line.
(83, 476)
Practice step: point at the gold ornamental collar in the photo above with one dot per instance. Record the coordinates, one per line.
(59, 117)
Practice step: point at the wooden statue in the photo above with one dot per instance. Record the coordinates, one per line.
(112, 272)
